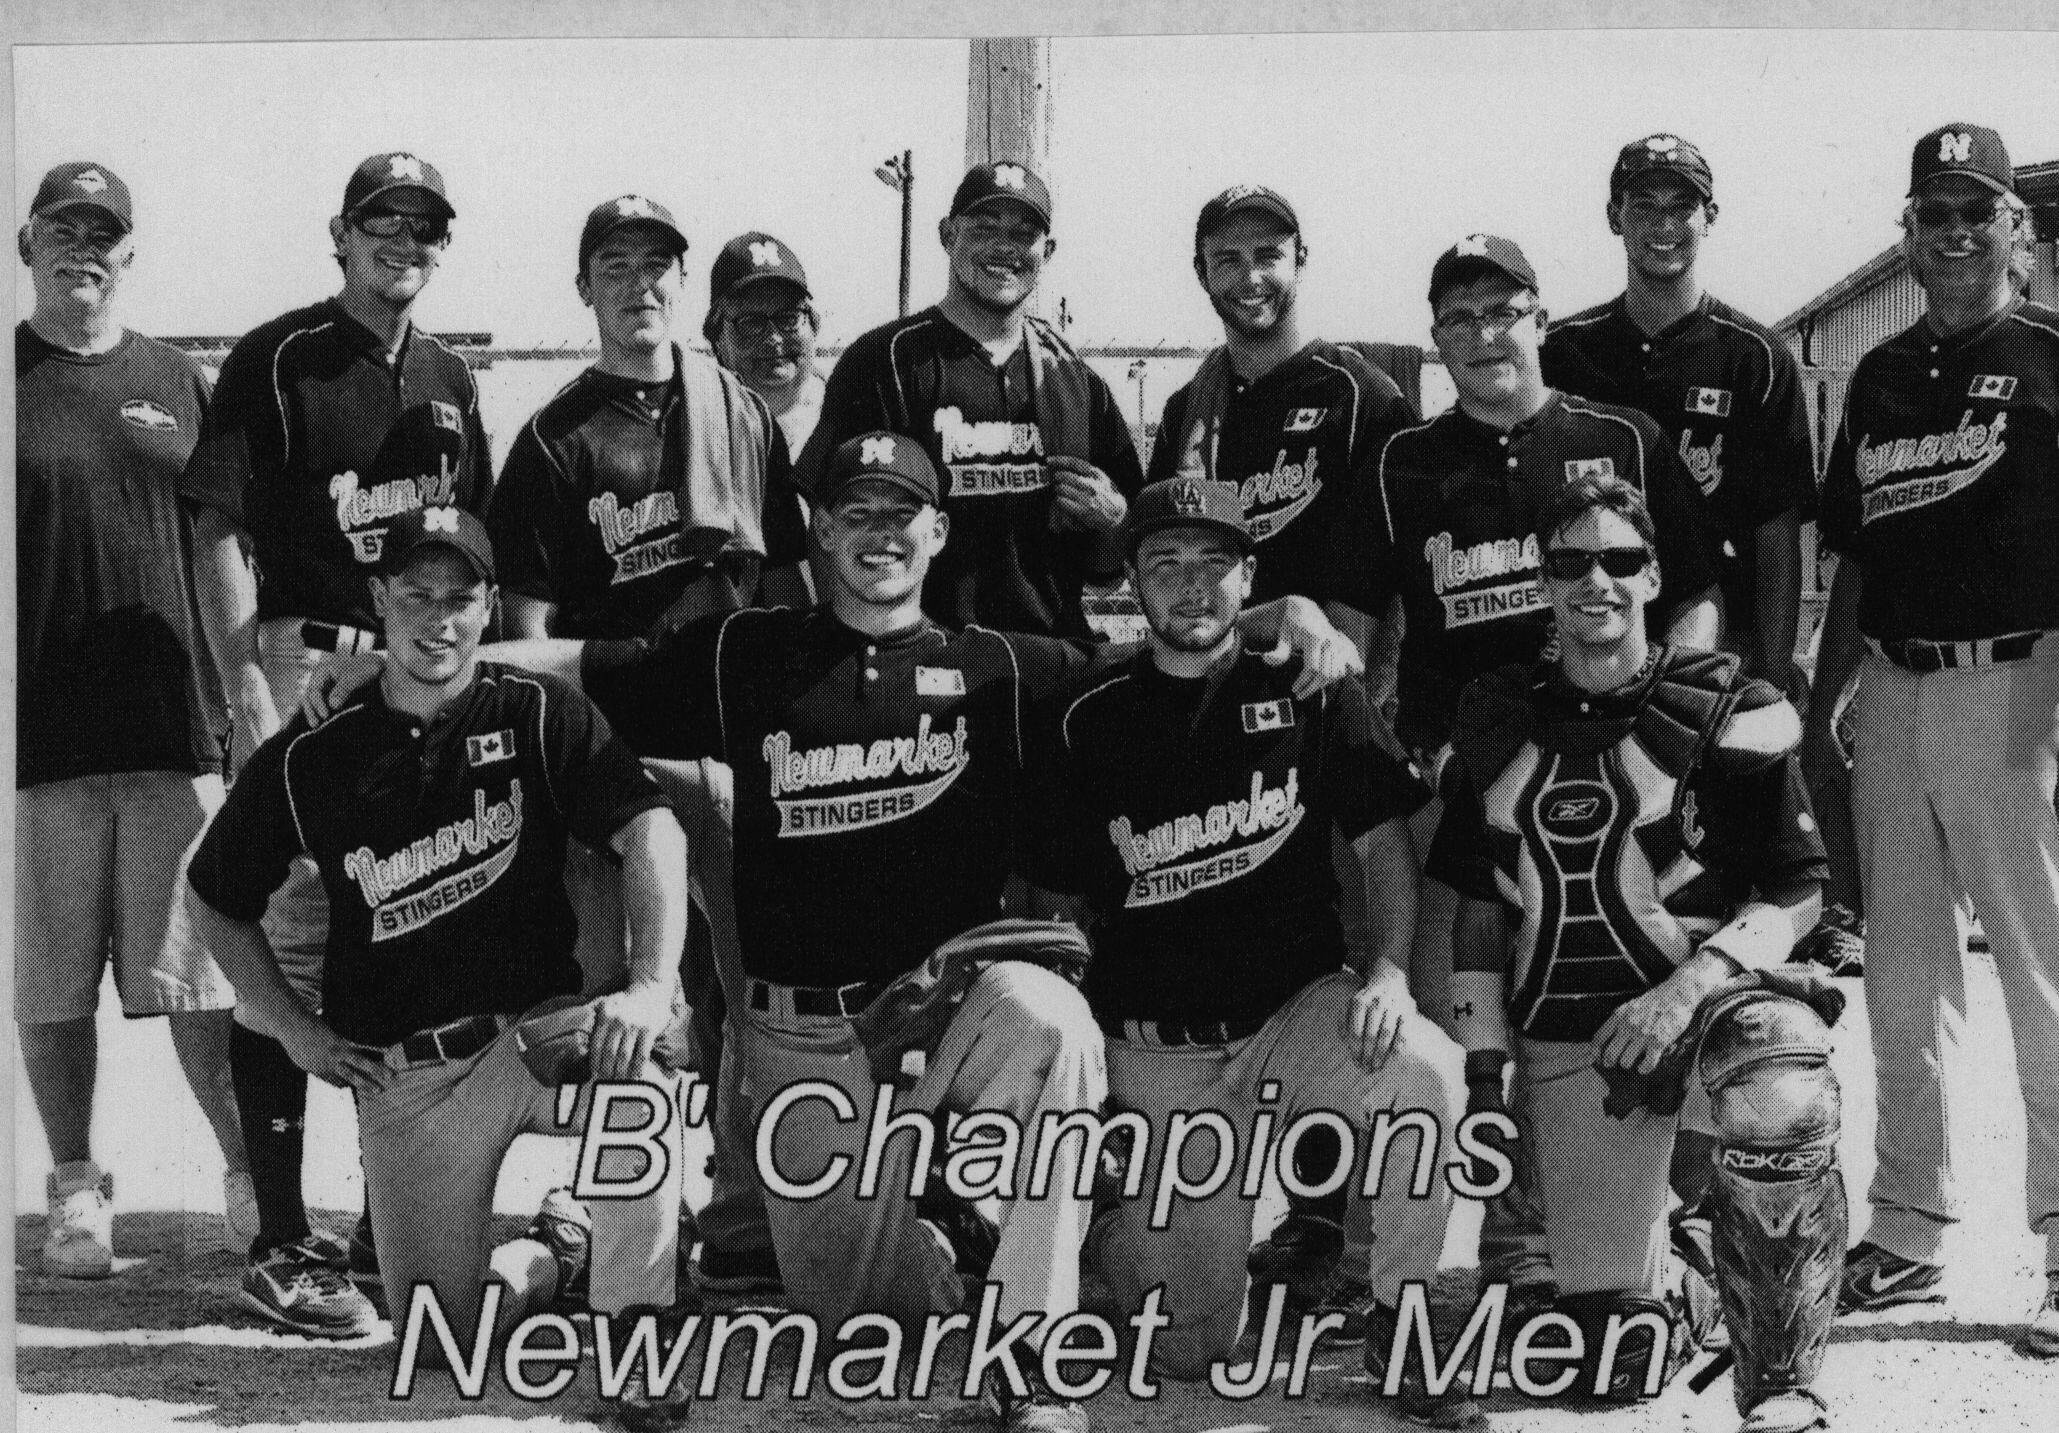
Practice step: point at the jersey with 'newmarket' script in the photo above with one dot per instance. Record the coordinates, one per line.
(441, 846)
(1451, 518)
(1296, 441)
(1944, 480)
(1195, 814)
(879, 780)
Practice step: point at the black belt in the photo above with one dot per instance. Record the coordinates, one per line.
(1176, 1032)
(823, 1000)
(459, 1040)
(329, 637)
(1916, 655)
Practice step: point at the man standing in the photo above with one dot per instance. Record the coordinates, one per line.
(1628, 830)
(118, 762)
(1221, 962)
(1036, 458)
(1941, 499)
(329, 422)
(436, 808)
(762, 324)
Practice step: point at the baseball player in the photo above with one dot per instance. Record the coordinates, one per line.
(1035, 456)
(1940, 500)
(118, 755)
(1628, 831)
(1197, 802)
(762, 324)
(436, 807)
(328, 422)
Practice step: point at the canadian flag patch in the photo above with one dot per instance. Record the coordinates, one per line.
(939, 682)
(1269, 716)
(490, 747)
(1715, 402)
(1305, 420)
(1993, 385)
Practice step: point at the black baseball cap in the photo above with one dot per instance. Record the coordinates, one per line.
(879, 457)
(384, 174)
(990, 183)
(750, 257)
(1661, 154)
(1187, 502)
(1477, 255)
(1970, 149)
(83, 184)
(1238, 198)
(453, 528)
(607, 217)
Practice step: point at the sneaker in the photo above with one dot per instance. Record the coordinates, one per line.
(637, 1409)
(563, 1226)
(240, 1221)
(298, 1288)
(1792, 1410)
(78, 1242)
(1302, 1252)
(1876, 1279)
(330, 1247)
(1453, 1408)
(1037, 1411)
(2041, 1339)
(748, 1272)
(362, 1261)
(1838, 943)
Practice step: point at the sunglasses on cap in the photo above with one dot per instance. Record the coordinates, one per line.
(425, 229)
(1570, 564)
(1974, 213)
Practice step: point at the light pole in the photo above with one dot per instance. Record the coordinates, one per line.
(898, 172)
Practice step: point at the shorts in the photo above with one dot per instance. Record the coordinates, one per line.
(100, 870)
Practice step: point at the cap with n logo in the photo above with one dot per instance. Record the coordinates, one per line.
(384, 174)
(750, 257)
(1969, 149)
(880, 457)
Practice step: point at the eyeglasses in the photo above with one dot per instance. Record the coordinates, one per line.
(1497, 321)
(754, 326)
(1974, 214)
(1570, 564)
(72, 233)
(428, 230)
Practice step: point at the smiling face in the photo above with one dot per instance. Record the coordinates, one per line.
(998, 252)
(1595, 611)
(1491, 366)
(1958, 262)
(77, 258)
(1250, 264)
(634, 281)
(434, 611)
(1663, 220)
(876, 543)
(391, 270)
(1192, 582)
(775, 360)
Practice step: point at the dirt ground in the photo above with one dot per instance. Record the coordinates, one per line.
(161, 1346)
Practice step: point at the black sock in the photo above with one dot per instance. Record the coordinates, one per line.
(271, 1095)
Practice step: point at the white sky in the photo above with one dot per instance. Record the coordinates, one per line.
(1391, 146)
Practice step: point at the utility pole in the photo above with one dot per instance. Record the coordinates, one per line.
(898, 172)
(1008, 109)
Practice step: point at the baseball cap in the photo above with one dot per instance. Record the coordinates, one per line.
(1969, 149)
(1235, 200)
(382, 174)
(750, 257)
(607, 217)
(1477, 253)
(453, 528)
(987, 183)
(83, 183)
(879, 457)
(1661, 154)
(1187, 502)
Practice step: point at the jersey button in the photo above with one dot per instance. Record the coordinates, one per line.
(872, 674)
(1933, 373)
(1504, 440)
(1513, 463)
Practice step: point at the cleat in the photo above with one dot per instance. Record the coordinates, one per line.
(1452, 1409)
(2041, 1339)
(1302, 1252)
(563, 1226)
(240, 1222)
(327, 1245)
(298, 1288)
(1792, 1410)
(1876, 1279)
(637, 1409)
(78, 1242)
(1037, 1411)
(362, 1262)
(749, 1272)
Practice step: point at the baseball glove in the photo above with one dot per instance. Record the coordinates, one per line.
(555, 1040)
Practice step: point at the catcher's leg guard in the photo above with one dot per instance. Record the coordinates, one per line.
(1777, 1207)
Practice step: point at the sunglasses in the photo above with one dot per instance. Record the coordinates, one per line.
(1570, 564)
(1974, 214)
(425, 229)
(754, 326)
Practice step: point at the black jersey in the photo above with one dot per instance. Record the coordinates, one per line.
(1944, 480)
(878, 779)
(114, 672)
(587, 511)
(988, 429)
(1297, 441)
(1453, 508)
(1196, 816)
(441, 845)
(1728, 394)
(318, 438)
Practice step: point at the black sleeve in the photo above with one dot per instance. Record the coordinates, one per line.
(1689, 542)
(786, 538)
(1359, 561)
(1372, 781)
(1386, 411)
(251, 842)
(1786, 463)
(854, 401)
(1837, 516)
(1171, 441)
(599, 782)
(1760, 830)
(1056, 669)
(659, 694)
(526, 520)
(1059, 826)
(475, 485)
(1461, 855)
(243, 436)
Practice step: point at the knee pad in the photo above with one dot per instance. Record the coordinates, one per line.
(1765, 1062)
(1631, 1344)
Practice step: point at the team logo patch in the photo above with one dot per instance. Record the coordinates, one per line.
(1009, 176)
(876, 452)
(1305, 420)
(917, 770)
(440, 520)
(491, 747)
(403, 166)
(1253, 828)
(1955, 147)
(1714, 402)
(1576, 810)
(764, 254)
(90, 180)
(1187, 500)
(1473, 246)
(633, 206)
(1269, 716)
(1578, 468)
(493, 832)
(446, 415)
(145, 414)
(939, 682)
(1661, 144)
(1993, 385)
